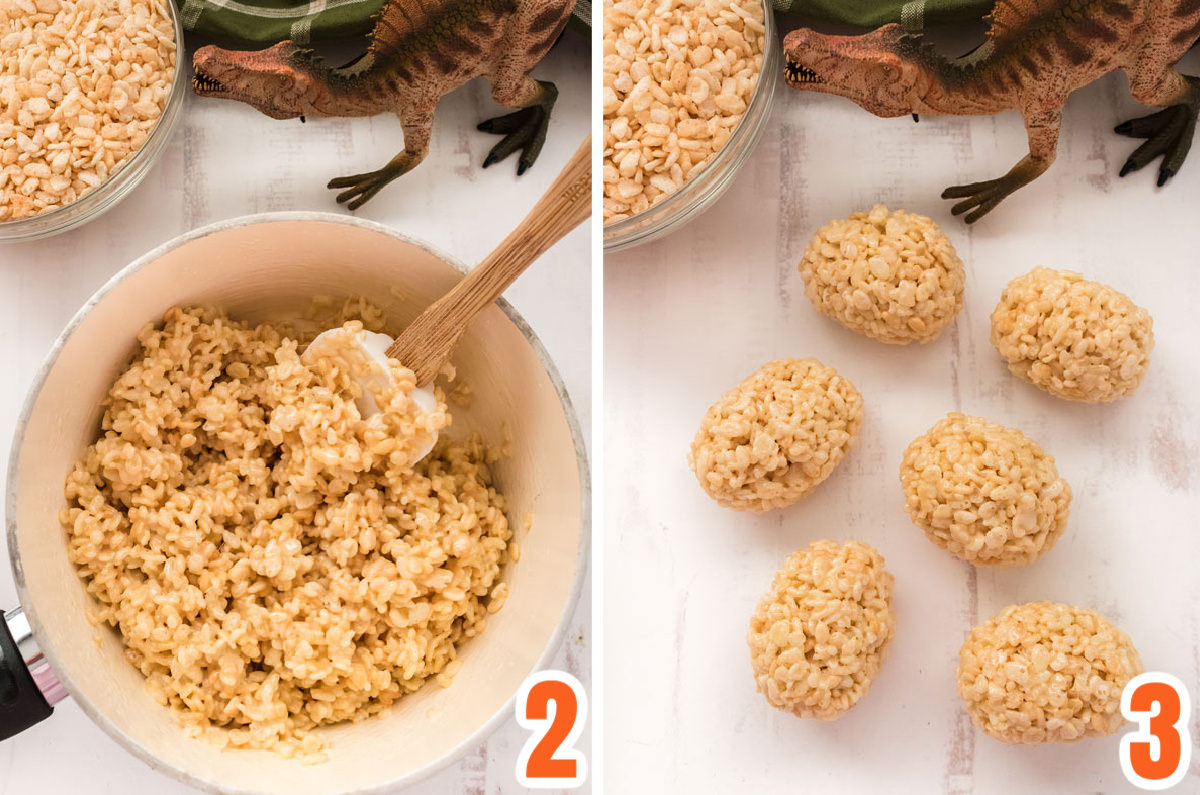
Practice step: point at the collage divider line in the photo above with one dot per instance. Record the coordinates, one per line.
(596, 763)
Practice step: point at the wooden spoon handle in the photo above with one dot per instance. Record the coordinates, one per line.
(427, 342)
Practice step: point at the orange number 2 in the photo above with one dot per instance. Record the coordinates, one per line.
(549, 758)
(1157, 755)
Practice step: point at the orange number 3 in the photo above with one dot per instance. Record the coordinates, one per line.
(1157, 755)
(549, 758)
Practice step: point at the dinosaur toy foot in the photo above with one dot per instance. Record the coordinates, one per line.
(980, 198)
(1168, 133)
(525, 130)
(361, 188)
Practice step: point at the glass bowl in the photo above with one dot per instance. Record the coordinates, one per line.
(126, 177)
(704, 188)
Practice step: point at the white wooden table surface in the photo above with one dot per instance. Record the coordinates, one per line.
(689, 316)
(228, 160)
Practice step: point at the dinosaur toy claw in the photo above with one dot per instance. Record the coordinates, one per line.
(524, 129)
(979, 198)
(1143, 126)
(1168, 133)
(358, 193)
(361, 188)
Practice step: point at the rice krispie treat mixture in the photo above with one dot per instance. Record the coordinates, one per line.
(1046, 672)
(273, 561)
(678, 76)
(820, 634)
(1076, 339)
(775, 436)
(889, 275)
(988, 494)
(82, 83)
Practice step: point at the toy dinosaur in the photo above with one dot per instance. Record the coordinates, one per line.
(1036, 53)
(418, 51)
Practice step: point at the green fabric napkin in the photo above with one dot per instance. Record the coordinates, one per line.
(263, 22)
(913, 15)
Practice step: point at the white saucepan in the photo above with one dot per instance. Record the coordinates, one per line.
(269, 267)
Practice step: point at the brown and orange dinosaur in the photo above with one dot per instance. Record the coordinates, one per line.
(418, 51)
(1036, 53)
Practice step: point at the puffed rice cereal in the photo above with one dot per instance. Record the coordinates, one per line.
(775, 436)
(819, 635)
(1076, 339)
(987, 493)
(82, 83)
(273, 561)
(678, 76)
(892, 276)
(1046, 673)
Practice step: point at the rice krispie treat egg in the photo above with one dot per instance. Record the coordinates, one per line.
(1076, 339)
(986, 493)
(772, 438)
(1046, 672)
(892, 276)
(820, 634)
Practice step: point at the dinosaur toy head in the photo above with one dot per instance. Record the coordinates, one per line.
(870, 69)
(278, 81)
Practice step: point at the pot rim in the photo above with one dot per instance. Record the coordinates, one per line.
(35, 391)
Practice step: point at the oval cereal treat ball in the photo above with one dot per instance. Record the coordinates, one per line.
(1075, 339)
(819, 635)
(988, 494)
(1046, 673)
(772, 438)
(890, 275)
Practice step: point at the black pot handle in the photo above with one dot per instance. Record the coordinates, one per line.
(21, 701)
